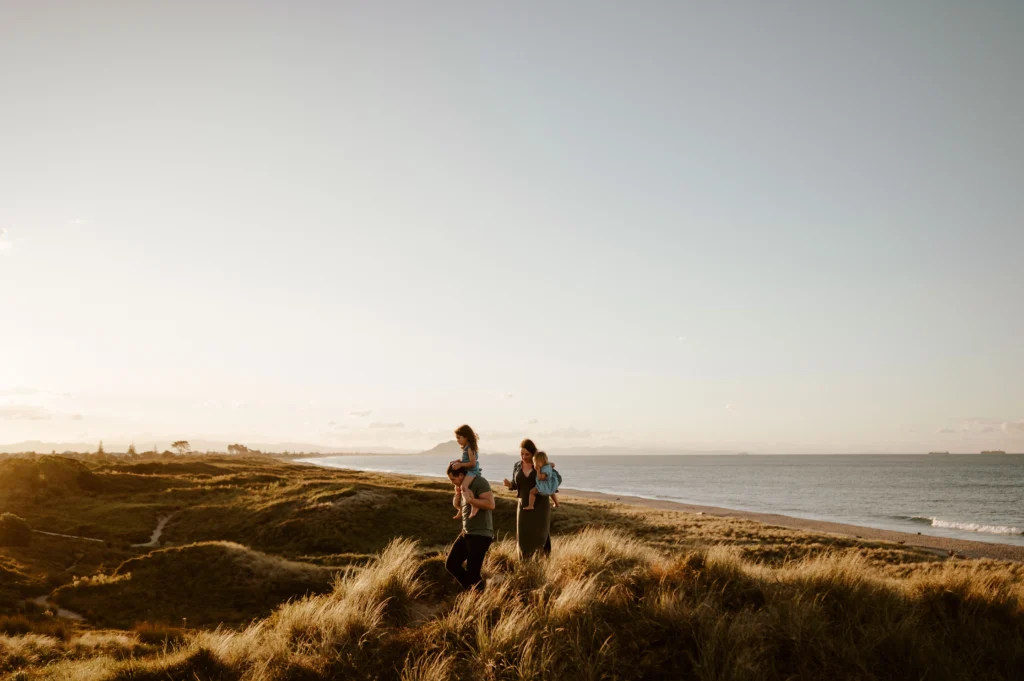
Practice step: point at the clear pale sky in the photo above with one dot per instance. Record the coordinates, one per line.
(785, 228)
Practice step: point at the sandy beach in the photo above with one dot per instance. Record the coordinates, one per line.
(963, 547)
(940, 545)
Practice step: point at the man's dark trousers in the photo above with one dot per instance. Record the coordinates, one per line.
(469, 549)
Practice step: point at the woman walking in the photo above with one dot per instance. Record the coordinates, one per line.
(533, 528)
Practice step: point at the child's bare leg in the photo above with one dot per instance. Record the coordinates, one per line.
(554, 500)
(533, 497)
(458, 511)
(468, 495)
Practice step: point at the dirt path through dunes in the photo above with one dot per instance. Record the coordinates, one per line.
(154, 540)
(64, 613)
(70, 536)
(44, 601)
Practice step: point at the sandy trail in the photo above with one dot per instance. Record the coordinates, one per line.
(70, 536)
(64, 613)
(154, 540)
(58, 611)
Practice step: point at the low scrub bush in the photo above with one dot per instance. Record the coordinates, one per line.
(17, 625)
(208, 583)
(28, 650)
(13, 626)
(158, 634)
(14, 531)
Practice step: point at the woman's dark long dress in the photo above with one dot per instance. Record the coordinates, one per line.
(533, 528)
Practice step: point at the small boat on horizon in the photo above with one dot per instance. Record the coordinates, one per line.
(938, 453)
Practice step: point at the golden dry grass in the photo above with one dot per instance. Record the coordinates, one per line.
(607, 606)
(627, 593)
(207, 583)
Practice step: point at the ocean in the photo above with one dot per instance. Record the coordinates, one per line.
(978, 497)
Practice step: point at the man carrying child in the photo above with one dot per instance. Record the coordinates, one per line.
(477, 530)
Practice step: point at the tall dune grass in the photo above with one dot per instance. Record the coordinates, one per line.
(605, 606)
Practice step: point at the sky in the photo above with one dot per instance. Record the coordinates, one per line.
(781, 228)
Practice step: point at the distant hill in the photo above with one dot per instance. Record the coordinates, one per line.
(40, 447)
(198, 445)
(451, 449)
(280, 447)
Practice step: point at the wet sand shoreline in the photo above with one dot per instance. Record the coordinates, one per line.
(963, 547)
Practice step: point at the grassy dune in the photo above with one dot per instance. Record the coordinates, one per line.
(308, 587)
(608, 606)
(173, 584)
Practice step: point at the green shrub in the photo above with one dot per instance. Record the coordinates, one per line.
(14, 531)
(159, 634)
(16, 625)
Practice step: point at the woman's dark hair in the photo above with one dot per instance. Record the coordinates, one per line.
(467, 432)
(528, 445)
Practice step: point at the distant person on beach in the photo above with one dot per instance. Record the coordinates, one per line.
(470, 462)
(533, 529)
(477, 528)
(548, 481)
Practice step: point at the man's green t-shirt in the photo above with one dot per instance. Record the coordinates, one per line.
(481, 523)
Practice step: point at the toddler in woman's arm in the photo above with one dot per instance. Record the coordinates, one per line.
(548, 480)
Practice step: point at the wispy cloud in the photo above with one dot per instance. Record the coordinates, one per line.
(77, 417)
(23, 412)
(987, 425)
(570, 432)
(34, 393)
(361, 413)
(19, 391)
(561, 433)
(945, 431)
(219, 404)
(505, 396)
(532, 422)
(395, 425)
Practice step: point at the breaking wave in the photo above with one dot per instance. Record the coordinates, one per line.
(968, 527)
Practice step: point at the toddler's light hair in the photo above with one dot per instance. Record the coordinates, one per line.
(540, 459)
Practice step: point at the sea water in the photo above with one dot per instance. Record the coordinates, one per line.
(977, 497)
